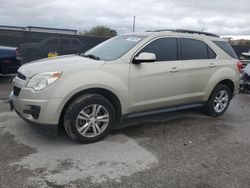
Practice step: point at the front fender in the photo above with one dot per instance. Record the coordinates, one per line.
(83, 80)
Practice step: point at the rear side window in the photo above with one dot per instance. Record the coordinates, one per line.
(165, 49)
(65, 42)
(226, 47)
(52, 42)
(75, 42)
(196, 49)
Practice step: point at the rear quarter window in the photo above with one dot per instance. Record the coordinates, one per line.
(226, 47)
(75, 42)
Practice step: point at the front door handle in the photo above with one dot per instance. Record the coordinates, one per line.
(174, 69)
(211, 65)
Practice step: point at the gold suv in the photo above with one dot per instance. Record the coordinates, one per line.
(127, 76)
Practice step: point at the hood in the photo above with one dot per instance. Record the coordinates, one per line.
(60, 63)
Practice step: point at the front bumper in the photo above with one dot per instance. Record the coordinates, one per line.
(42, 113)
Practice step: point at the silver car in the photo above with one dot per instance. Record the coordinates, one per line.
(127, 76)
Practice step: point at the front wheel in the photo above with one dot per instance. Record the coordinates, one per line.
(89, 118)
(219, 100)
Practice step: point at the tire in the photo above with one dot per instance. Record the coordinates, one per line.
(86, 125)
(217, 103)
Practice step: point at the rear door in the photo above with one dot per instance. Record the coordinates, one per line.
(198, 65)
(156, 84)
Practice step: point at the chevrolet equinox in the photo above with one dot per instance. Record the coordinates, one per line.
(127, 76)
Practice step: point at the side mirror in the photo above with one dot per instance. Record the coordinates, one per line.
(144, 57)
(246, 53)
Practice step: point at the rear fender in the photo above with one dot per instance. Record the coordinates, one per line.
(222, 74)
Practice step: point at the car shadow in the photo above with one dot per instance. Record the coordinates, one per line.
(136, 123)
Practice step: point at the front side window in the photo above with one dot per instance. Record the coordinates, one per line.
(196, 49)
(165, 49)
(114, 48)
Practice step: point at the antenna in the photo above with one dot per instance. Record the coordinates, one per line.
(134, 25)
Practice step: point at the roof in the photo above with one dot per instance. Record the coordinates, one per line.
(186, 31)
(49, 28)
(179, 32)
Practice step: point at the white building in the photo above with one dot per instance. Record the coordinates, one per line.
(15, 28)
(39, 29)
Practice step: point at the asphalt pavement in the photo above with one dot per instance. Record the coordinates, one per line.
(179, 149)
(5, 87)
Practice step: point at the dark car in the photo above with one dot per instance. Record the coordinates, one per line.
(9, 62)
(50, 47)
(243, 53)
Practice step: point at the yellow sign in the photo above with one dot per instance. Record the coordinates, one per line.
(52, 54)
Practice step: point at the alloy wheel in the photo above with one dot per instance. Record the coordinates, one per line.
(221, 101)
(92, 120)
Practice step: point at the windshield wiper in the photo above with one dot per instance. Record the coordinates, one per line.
(91, 56)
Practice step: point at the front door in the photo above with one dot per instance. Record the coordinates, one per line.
(155, 85)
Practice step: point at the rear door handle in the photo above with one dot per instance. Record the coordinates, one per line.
(211, 65)
(174, 69)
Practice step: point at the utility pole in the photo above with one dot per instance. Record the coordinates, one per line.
(134, 25)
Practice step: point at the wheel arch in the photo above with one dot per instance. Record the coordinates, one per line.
(228, 83)
(101, 91)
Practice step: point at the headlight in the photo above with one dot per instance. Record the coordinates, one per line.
(42, 80)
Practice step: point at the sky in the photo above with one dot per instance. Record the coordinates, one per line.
(223, 17)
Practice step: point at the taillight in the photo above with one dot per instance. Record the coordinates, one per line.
(18, 54)
(239, 66)
(7, 61)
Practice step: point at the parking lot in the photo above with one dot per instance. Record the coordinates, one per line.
(5, 87)
(180, 149)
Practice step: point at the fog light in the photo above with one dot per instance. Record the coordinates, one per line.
(34, 111)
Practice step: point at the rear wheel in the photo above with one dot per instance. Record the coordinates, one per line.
(89, 118)
(219, 100)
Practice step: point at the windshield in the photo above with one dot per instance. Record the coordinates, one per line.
(114, 47)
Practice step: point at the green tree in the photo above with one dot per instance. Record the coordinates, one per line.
(101, 31)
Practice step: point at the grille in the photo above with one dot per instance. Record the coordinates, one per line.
(21, 76)
(16, 91)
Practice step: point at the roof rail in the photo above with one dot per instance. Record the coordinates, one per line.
(186, 31)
